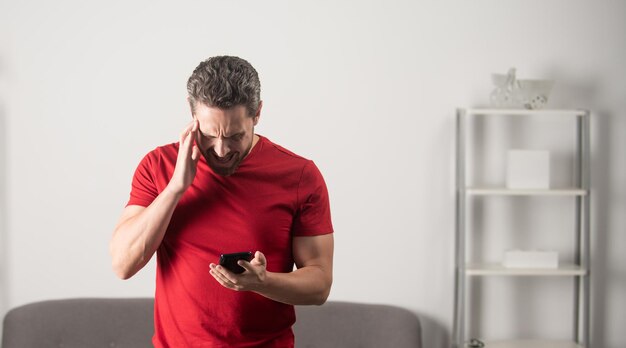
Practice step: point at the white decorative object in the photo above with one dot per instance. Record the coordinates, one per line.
(528, 169)
(530, 259)
(506, 92)
(510, 92)
(533, 94)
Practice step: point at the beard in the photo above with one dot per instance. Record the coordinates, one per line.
(223, 167)
(227, 165)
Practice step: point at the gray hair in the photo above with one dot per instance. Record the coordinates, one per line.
(225, 82)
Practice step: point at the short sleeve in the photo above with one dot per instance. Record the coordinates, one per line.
(143, 189)
(313, 211)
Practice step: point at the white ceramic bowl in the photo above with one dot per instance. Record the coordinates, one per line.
(534, 93)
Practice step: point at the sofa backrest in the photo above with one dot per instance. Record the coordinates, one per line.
(74, 323)
(356, 325)
(120, 323)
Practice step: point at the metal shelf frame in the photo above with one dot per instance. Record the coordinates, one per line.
(580, 270)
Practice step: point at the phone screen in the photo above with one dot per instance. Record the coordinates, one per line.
(229, 261)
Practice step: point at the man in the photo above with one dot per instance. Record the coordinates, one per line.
(222, 189)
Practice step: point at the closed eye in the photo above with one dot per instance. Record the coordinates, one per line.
(237, 137)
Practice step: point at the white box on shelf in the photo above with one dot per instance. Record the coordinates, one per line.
(531, 259)
(528, 169)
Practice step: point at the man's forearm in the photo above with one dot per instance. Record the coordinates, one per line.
(136, 238)
(305, 286)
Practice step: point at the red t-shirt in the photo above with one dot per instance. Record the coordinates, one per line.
(273, 196)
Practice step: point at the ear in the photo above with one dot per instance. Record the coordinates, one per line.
(258, 113)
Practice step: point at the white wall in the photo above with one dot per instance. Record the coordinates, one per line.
(365, 88)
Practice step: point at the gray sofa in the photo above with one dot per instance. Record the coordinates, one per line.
(128, 323)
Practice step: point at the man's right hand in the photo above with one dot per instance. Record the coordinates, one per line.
(187, 161)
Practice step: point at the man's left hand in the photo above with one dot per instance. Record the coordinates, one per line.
(250, 280)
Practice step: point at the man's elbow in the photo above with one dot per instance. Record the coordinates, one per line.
(122, 272)
(120, 267)
(321, 298)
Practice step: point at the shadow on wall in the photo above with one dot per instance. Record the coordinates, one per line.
(434, 334)
(3, 193)
(587, 93)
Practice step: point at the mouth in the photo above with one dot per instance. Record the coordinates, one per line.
(223, 160)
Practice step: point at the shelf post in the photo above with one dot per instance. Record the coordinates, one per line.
(586, 180)
(578, 248)
(458, 332)
(582, 286)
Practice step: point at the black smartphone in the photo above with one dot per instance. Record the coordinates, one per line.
(229, 261)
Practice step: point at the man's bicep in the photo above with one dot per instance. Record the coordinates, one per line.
(144, 188)
(313, 206)
(314, 251)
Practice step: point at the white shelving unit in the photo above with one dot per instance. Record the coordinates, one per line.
(579, 269)
(533, 344)
(494, 269)
(485, 191)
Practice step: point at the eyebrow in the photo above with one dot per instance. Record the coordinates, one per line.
(229, 136)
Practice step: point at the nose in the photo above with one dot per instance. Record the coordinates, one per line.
(221, 148)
